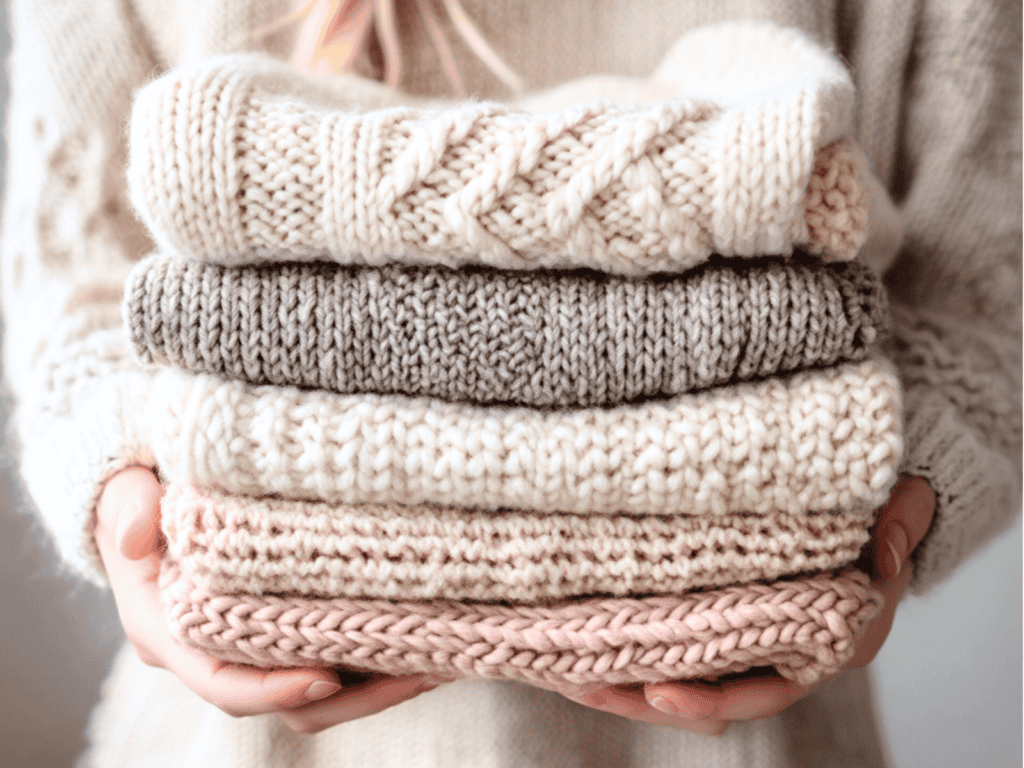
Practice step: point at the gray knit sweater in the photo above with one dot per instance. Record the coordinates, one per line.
(530, 338)
(70, 239)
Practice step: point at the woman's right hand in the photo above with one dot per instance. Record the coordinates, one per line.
(308, 700)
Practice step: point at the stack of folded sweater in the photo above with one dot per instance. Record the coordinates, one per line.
(572, 396)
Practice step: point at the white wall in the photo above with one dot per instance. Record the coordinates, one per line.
(949, 676)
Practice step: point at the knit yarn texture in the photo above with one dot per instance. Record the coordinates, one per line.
(742, 158)
(816, 440)
(804, 628)
(478, 335)
(236, 544)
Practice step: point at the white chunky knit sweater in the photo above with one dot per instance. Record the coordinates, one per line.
(816, 440)
(70, 238)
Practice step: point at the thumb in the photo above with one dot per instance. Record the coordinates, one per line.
(129, 509)
(902, 523)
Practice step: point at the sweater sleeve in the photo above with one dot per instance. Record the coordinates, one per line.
(956, 289)
(69, 240)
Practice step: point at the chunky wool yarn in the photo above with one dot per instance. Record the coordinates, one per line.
(236, 544)
(228, 165)
(804, 628)
(479, 335)
(817, 440)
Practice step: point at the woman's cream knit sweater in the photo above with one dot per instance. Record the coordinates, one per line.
(938, 114)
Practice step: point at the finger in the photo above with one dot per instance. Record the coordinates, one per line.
(747, 698)
(128, 514)
(241, 691)
(236, 689)
(875, 632)
(138, 530)
(134, 485)
(630, 702)
(902, 523)
(127, 524)
(358, 701)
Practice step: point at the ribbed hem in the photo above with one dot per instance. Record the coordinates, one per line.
(974, 486)
(75, 439)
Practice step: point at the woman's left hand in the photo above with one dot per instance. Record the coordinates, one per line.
(710, 707)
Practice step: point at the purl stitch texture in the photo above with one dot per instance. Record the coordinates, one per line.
(226, 167)
(804, 628)
(529, 338)
(816, 440)
(236, 544)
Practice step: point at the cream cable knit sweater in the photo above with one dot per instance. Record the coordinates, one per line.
(69, 240)
(228, 164)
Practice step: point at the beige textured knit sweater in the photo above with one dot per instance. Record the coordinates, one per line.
(938, 113)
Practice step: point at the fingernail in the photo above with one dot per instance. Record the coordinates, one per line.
(321, 689)
(585, 689)
(900, 542)
(429, 683)
(435, 680)
(664, 705)
(125, 530)
(692, 706)
(893, 562)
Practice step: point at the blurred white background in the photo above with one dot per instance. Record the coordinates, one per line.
(949, 677)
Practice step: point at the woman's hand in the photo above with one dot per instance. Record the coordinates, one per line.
(710, 707)
(308, 700)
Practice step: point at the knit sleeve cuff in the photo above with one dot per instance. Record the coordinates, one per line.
(73, 441)
(977, 490)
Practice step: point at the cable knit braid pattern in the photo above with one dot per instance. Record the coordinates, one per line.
(805, 628)
(237, 544)
(477, 335)
(817, 440)
(226, 166)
